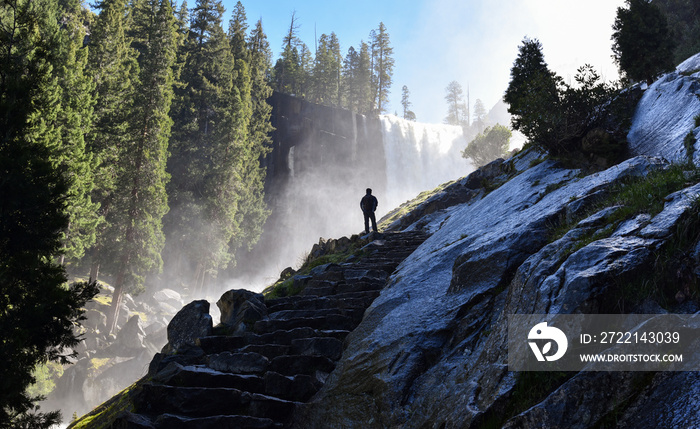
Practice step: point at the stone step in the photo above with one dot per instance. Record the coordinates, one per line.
(354, 313)
(301, 364)
(238, 362)
(300, 387)
(270, 351)
(293, 314)
(331, 322)
(221, 343)
(318, 291)
(171, 421)
(300, 302)
(331, 348)
(285, 337)
(201, 376)
(158, 399)
(359, 286)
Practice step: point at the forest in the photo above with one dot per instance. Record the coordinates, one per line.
(132, 134)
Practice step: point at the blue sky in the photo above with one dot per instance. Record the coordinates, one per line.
(435, 42)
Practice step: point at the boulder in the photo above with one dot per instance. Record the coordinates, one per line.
(241, 308)
(190, 323)
(130, 338)
(168, 296)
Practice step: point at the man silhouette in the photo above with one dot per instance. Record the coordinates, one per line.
(369, 204)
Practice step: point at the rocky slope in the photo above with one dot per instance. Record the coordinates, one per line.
(525, 235)
(431, 350)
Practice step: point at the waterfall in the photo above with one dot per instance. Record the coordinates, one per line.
(420, 157)
(323, 159)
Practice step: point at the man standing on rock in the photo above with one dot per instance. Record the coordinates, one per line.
(369, 204)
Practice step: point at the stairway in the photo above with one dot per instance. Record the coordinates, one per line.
(255, 380)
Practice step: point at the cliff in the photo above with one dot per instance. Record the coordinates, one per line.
(527, 235)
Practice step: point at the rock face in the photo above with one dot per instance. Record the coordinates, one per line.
(432, 349)
(676, 95)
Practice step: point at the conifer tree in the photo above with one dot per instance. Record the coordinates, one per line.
(382, 67)
(455, 104)
(111, 63)
(326, 73)
(406, 104)
(253, 208)
(210, 126)
(135, 238)
(642, 43)
(39, 310)
(74, 121)
(533, 96)
(480, 114)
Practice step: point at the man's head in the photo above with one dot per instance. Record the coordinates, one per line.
(369, 191)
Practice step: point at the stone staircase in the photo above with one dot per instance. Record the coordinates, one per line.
(256, 379)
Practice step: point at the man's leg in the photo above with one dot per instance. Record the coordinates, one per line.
(374, 222)
(366, 222)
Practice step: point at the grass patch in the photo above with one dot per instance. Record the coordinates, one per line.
(409, 206)
(672, 271)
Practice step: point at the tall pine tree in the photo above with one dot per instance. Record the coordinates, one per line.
(112, 65)
(135, 238)
(382, 67)
(211, 125)
(39, 310)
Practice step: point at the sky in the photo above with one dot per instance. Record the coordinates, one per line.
(473, 42)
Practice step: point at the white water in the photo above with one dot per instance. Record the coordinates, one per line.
(420, 157)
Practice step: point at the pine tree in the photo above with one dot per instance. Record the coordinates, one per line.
(326, 72)
(383, 67)
(39, 310)
(135, 237)
(533, 96)
(455, 104)
(406, 104)
(74, 121)
(357, 79)
(287, 67)
(642, 44)
(479, 116)
(253, 208)
(111, 63)
(208, 140)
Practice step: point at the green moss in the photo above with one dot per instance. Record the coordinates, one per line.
(104, 415)
(103, 299)
(409, 206)
(697, 121)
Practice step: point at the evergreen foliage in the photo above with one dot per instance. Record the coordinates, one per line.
(134, 238)
(588, 116)
(642, 43)
(216, 190)
(533, 95)
(489, 145)
(684, 23)
(39, 309)
(408, 114)
(456, 108)
(480, 115)
(382, 66)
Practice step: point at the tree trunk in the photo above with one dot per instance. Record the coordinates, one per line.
(94, 271)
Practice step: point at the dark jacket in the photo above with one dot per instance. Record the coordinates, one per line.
(369, 203)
